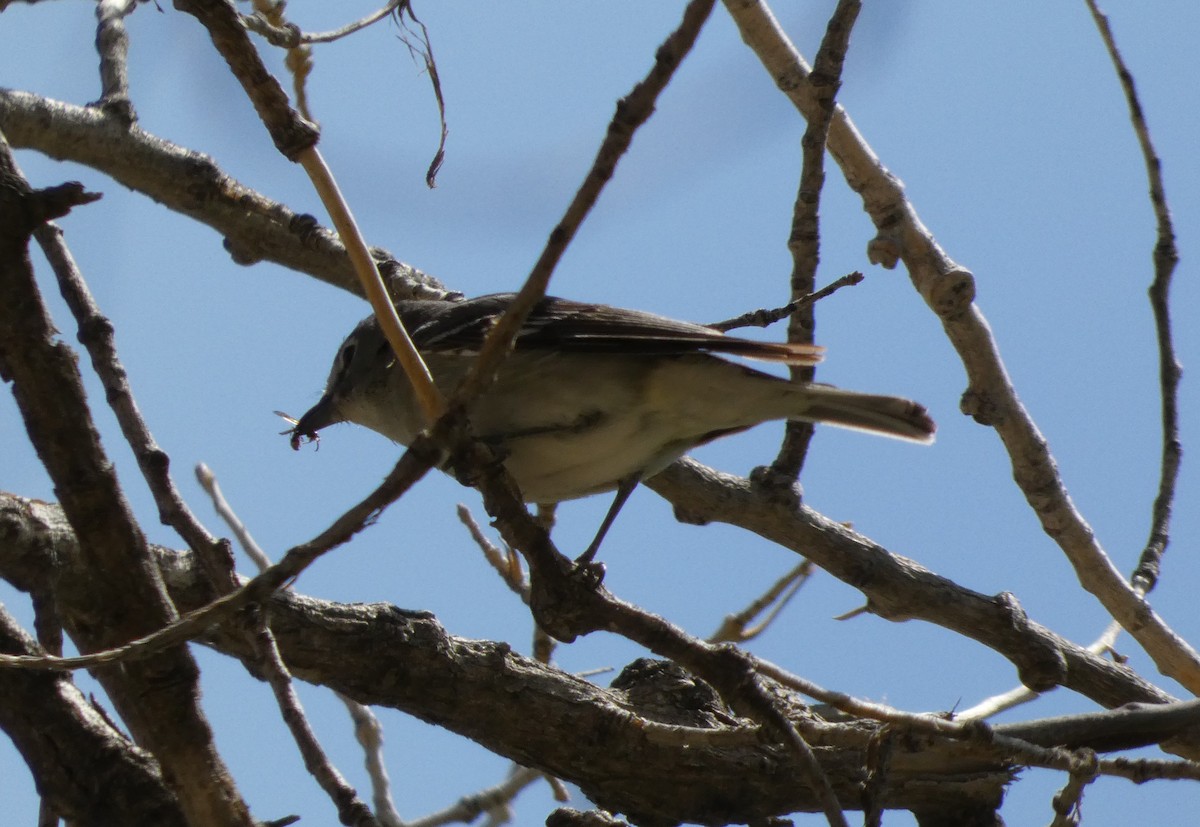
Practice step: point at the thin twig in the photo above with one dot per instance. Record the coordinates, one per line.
(1018, 695)
(367, 729)
(1145, 575)
(1069, 800)
(208, 481)
(1166, 257)
(352, 811)
(506, 563)
(428, 396)
(369, 734)
(289, 36)
(492, 800)
(296, 139)
(116, 593)
(97, 336)
(424, 51)
(632, 111)
(804, 239)
(733, 627)
(415, 462)
(1017, 749)
(765, 318)
(298, 59)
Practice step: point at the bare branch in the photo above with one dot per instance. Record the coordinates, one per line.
(367, 728)
(296, 139)
(112, 43)
(899, 589)
(423, 49)
(289, 36)
(804, 240)
(96, 334)
(208, 481)
(733, 627)
(352, 811)
(765, 318)
(494, 800)
(632, 111)
(254, 228)
(1166, 257)
(86, 770)
(115, 592)
(1068, 800)
(369, 734)
(418, 459)
(949, 291)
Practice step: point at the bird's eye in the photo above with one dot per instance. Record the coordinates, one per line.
(348, 355)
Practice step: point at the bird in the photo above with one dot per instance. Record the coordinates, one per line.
(593, 398)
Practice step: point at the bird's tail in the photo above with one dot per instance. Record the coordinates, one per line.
(887, 415)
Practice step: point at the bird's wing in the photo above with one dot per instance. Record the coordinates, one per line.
(563, 325)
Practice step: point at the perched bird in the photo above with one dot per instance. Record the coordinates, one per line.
(593, 398)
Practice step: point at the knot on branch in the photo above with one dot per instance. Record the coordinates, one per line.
(981, 406)
(950, 294)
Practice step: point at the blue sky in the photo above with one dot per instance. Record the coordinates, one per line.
(1009, 130)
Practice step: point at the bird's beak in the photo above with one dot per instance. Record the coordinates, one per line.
(319, 416)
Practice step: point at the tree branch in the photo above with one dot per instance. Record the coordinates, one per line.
(113, 592)
(990, 398)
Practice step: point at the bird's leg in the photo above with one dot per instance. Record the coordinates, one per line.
(624, 489)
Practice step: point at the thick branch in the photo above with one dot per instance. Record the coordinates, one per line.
(899, 589)
(714, 769)
(113, 593)
(692, 757)
(190, 183)
(85, 769)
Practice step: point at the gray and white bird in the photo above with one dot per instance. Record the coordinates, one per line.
(593, 398)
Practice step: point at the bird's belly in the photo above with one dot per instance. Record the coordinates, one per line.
(565, 464)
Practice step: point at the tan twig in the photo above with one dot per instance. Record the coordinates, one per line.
(296, 139)
(208, 481)
(369, 734)
(506, 562)
(428, 396)
(288, 36)
(1069, 800)
(492, 800)
(733, 627)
